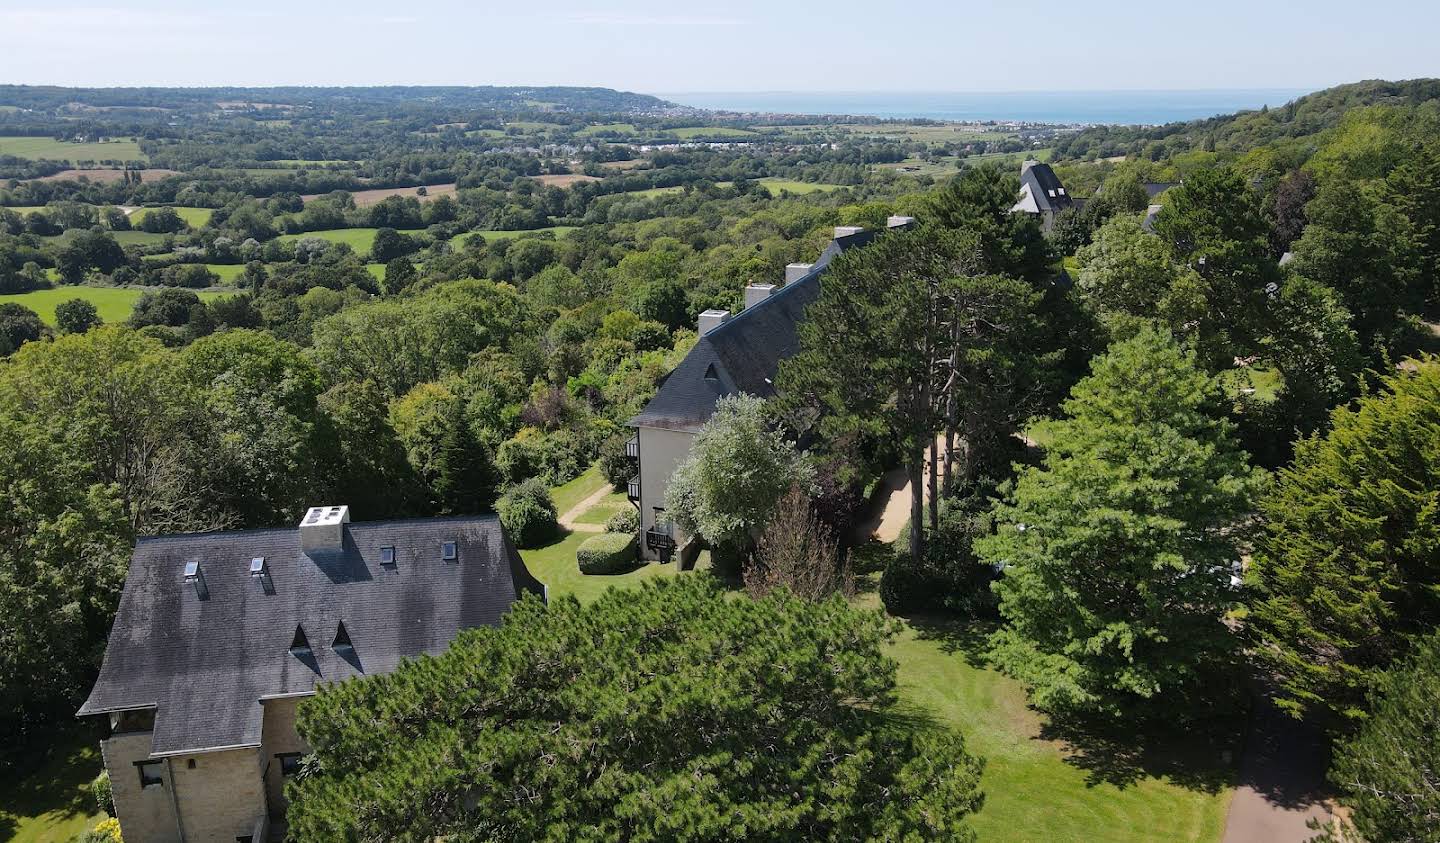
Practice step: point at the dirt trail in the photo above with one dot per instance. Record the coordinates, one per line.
(570, 519)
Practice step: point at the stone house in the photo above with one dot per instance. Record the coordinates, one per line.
(1041, 194)
(220, 635)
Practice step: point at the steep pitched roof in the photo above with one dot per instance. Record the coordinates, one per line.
(741, 355)
(1041, 188)
(205, 664)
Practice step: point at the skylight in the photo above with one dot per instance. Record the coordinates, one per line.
(449, 552)
(257, 566)
(387, 555)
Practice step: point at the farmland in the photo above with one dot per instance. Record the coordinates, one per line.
(359, 239)
(366, 198)
(193, 217)
(778, 185)
(693, 132)
(563, 180)
(113, 303)
(49, 148)
(557, 230)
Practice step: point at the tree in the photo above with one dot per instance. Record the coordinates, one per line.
(164, 220)
(1316, 352)
(1389, 770)
(1118, 551)
(76, 316)
(390, 244)
(798, 552)
(1344, 574)
(739, 468)
(399, 274)
(1287, 214)
(169, 306)
(18, 325)
(663, 713)
(465, 474)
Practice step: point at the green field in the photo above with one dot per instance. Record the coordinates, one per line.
(193, 217)
(113, 303)
(624, 128)
(692, 132)
(359, 239)
(377, 270)
(458, 241)
(21, 147)
(124, 238)
(228, 272)
(775, 185)
(656, 191)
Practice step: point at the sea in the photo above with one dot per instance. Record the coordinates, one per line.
(1068, 107)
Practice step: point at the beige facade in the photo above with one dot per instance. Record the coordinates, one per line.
(210, 797)
(661, 452)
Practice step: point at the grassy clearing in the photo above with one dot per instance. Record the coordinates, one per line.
(776, 185)
(566, 496)
(124, 238)
(118, 150)
(458, 241)
(193, 217)
(692, 132)
(623, 128)
(52, 802)
(1265, 381)
(228, 272)
(377, 270)
(113, 303)
(608, 506)
(555, 566)
(359, 239)
(657, 191)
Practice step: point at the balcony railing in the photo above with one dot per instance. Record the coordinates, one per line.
(632, 448)
(660, 539)
(632, 489)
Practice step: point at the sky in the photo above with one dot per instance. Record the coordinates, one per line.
(740, 45)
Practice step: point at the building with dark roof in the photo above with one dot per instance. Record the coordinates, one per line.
(1041, 194)
(735, 354)
(218, 636)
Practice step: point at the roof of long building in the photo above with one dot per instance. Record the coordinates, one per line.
(741, 355)
(205, 663)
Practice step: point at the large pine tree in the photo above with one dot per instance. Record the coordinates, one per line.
(1118, 551)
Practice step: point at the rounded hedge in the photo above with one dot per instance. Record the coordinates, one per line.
(528, 513)
(626, 520)
(607, 553)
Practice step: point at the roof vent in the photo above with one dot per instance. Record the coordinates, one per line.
(847, 230)
(899, 222)
(796, 271)
(299, 645)
(756, 293)
(196, 578)
(323, 528)
(712, 319)
(711, 374)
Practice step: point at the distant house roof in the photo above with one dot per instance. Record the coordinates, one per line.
(743, 354)
(1155, 188)
(205, 664)
(1151, 213)
(1041, 190)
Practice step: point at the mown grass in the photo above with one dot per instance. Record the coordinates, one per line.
(692, 132)
(776, 185)
(555, 566)
(114, 304)
(610, 505)
(458, 241)
(359, 239)
(51, 802)
(568, 495)
(49, 148)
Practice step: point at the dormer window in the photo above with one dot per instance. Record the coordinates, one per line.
(342, 643)
(299, 645)
(387, 555)
(449, 552)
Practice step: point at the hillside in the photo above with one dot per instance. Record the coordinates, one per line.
(1307, 116)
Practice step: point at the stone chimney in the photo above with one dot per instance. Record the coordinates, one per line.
(323, 528)
(712, 319)
(796, 271)
(900, 222)
(756, 293)
(847, 230)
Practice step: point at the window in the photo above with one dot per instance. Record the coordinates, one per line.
(342, 639)
(448, 552)
(387, 555)
(190, 763)
(300, 645)
(289, 763)
(151, 773)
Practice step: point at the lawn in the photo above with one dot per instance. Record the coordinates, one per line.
(113, 303)
(52, 803)
(359, 239)
(568, 495)
(610, 505)
(555, 566)
(124, 238)
(23, 147)
(228, 272)
(193, 217)
(458, 241)
(776, 184)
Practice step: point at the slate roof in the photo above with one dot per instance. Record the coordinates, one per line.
(205, 664)
(1043, 188)
(1155, 188)
(741, 355)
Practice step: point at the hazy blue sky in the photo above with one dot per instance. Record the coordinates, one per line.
(742, 45)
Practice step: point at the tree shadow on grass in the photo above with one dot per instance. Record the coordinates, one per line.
(1198, 756)
(52, 777)
(967, 637)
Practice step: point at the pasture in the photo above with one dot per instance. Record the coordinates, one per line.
(51, 149)
(563, 179)
(105, 175)
(777, 185)
(366, 198)
(693, 132)
(359, 239)
(458, 241)
(193, 217)
(113, 303)
(124, 238)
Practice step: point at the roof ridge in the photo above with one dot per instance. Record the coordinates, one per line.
(253, 531)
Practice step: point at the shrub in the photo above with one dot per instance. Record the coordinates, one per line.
(617, 468)
(105, 831)
(100, 790)
(948, 576)
(528, 513)
(607, 553)
(625, 521)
